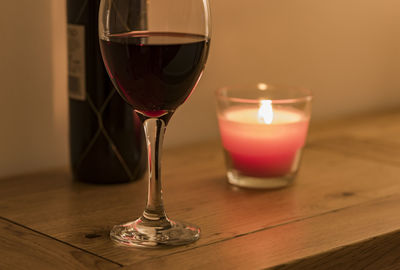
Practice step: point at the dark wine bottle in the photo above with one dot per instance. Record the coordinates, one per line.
(106, 137)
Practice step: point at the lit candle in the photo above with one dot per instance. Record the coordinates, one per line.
(264, 141)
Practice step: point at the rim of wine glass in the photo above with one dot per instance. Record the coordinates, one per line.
(225, 93)
(208, 26)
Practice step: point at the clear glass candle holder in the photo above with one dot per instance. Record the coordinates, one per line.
(263, 130)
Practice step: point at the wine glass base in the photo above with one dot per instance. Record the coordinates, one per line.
(136, 233)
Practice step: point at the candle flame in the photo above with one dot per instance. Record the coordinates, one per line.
(265, 113)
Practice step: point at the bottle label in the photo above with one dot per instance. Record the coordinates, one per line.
(76, 62)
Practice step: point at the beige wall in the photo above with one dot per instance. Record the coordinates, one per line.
(346, 51)
(32, 125)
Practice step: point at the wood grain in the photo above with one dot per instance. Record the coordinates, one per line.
(301, 239)
(83, 214)
(21, 248)
(381, 253)
(378, 127)
(348, 164)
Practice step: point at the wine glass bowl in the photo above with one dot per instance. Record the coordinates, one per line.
(154, 71)
(154, 52)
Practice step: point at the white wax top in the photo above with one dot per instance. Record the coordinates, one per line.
(250, 116)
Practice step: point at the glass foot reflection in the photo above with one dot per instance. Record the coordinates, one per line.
(147, 233)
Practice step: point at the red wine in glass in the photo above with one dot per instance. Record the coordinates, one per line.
(154, 66)
(155, 72)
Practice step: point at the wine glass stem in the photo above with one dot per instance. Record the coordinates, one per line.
(154, 129)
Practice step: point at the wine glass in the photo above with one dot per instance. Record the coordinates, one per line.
(154, 52)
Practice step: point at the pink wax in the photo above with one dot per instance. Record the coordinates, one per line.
(262, 149)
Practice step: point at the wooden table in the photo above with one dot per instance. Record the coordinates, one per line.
(343, 212)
